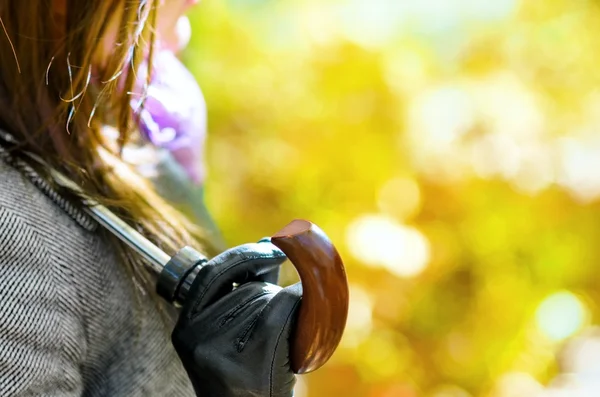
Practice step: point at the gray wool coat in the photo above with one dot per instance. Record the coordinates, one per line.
(72, 320)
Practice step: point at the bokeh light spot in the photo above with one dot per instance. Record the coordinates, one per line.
(380, 241)
(359, 322)
(561, 315)
(517, 384)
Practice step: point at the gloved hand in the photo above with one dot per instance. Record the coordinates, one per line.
(233, 342)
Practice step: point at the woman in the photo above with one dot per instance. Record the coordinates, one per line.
(78, 314)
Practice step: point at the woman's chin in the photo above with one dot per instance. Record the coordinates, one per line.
(177, 40)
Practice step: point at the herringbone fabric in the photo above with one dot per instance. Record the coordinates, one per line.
(72, 320)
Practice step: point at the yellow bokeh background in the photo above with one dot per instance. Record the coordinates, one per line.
(450, 149)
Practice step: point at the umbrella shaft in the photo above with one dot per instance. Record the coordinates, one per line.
(157, 258)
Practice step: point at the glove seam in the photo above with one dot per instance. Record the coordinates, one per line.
(236, 309)
(243, 338)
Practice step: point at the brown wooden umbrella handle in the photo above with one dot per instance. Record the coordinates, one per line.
(324, 308)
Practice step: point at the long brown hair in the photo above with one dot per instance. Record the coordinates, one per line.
(56, 102)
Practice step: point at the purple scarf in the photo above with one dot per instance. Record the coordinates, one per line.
(174, 114)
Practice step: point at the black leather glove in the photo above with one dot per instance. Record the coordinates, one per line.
(233, 342)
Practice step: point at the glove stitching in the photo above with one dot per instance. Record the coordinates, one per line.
(277, 345)
(240, 342)
(195, 310)
(240, 306)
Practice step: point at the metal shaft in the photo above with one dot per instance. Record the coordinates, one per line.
(156, 257)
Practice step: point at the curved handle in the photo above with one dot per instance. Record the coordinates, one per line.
(324, 308)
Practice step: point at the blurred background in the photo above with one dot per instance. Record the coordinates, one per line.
(451, 150)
